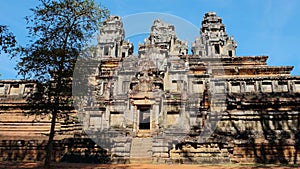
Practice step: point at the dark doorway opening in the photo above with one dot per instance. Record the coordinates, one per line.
(106, 50)
(144, 123)
(230, 53)
(217, 49)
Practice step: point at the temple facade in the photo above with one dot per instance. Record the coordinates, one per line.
(167, 105)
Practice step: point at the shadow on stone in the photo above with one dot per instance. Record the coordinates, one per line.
(84, 150)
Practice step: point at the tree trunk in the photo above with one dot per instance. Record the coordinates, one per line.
(54, 113)
(49, 147)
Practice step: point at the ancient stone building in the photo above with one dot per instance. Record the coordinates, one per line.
(168, 106)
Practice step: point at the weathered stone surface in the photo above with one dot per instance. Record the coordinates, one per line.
(169, 98)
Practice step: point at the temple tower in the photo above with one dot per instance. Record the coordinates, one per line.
(111, 39)
(163, 38)
(214, 40)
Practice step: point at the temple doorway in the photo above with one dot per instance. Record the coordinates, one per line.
(144, 120)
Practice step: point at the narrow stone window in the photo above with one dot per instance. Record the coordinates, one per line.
(172, 117)
(116, 51)
(250, 87)
(267, 87)
(197, 86)
(220, 88)
(230, 53)
(14, 90)
(2, 89)
(106, 50)
(116, 118)
(235, 87)
(283, 86)
(297, 86)
(174, 86)
(217, 49)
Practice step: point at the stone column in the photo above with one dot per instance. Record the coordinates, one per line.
(107, 117)
(154, 116)
(134, 119)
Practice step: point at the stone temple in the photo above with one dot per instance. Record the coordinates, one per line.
(164, 105)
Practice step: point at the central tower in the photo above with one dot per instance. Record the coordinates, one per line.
(213, 41)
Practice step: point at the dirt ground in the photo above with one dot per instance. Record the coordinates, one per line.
(4, 165)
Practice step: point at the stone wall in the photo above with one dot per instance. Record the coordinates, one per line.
(259, 104)
(77, 150)
(193, 153)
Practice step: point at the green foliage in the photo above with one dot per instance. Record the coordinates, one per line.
(58, 30)
(7, 40)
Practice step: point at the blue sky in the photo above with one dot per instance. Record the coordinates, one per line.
(260, 27)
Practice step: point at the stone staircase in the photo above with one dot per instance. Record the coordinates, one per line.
(141, 151)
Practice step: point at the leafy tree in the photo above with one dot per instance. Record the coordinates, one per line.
(7, 40)
(58, 30)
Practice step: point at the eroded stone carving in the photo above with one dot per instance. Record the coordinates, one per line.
(213, 41)
(165, 93)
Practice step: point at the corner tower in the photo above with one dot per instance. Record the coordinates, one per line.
(213, 41)
(111, 39)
